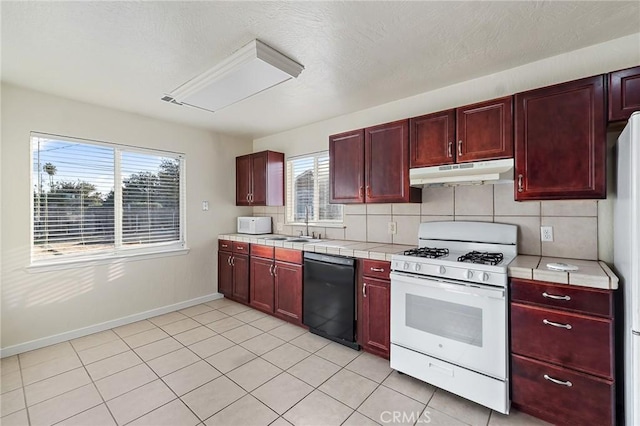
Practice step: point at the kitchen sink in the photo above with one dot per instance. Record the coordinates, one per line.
(276, 238)
(293, 239)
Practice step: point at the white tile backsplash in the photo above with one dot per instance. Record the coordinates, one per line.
(575, 223)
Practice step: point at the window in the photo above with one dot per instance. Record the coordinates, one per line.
(97, 199)
(308, 190)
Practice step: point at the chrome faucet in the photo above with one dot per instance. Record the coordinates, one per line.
(306, 218)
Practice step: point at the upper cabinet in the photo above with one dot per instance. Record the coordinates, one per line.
(372, 165)
(481, 131)
(624, 93)
(560, 141)
(260, 179)
(346, 167)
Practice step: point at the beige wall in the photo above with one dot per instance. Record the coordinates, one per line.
(36, 305)
(590, 221)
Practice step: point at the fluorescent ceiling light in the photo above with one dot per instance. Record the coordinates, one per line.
(248, 71)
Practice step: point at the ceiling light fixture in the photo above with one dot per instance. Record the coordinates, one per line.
(249, 70)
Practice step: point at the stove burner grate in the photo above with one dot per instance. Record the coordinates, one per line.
(428, 252)
(485, 258)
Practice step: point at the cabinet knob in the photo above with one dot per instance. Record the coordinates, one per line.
(520, 177)
(558, 382)
(557, 324)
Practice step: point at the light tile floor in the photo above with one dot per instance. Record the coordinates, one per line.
(221, 363)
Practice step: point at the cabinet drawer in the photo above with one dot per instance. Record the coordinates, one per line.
(262, 251)
(376, 268)
(288, 255)
(572, 340)
(224, 245)
(578, 299)
(239, 247)
(588, 401)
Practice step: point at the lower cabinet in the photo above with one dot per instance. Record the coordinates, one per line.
(562, 345)
(233, 270)
(288, 291)
(374, 303)
(276, 282)
(261, 284)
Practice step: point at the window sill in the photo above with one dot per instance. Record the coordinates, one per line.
(104, 260)
(317, 224)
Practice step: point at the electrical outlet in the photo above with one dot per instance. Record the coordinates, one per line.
(279, 226)
(546, 233)
(205, 206)
(392, 228)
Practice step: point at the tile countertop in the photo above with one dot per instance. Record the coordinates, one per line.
(377, 251)
(591, 273)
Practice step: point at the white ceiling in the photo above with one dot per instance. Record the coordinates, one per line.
(126, 55)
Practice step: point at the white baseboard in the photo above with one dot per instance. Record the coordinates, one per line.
(85, 331)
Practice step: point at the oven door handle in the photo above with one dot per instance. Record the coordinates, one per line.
(470, 289)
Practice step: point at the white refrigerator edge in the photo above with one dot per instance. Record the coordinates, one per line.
(627, 258)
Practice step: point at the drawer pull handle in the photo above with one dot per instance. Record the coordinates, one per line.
(364, 290)
(557, 324)
(558, 382)
(377, 269)
(553, 296)
(239, 248)
(271, 269)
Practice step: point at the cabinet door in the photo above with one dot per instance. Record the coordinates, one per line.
(346, 167)
(288, 300)
(243, 180)
(225, 273)
(375, 315)
(432, 139)
(259, 179)
(386, 153)
(624, 93)
(485, 130)
(560, 144)
(261, 288)
(241, 277)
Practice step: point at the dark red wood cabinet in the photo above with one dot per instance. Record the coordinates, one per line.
(260, 179)
(624, 93)
(374, 302)
(276, 282)
(371, 165)
(560, 141)
(233, 270)
(481, 131)
(346, 167)
(562, 348)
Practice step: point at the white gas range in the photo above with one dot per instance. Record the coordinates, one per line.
(449, 309)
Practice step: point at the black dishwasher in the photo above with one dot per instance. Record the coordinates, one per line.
(329, 300)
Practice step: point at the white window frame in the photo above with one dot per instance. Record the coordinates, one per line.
(289, 195)
(118, 251)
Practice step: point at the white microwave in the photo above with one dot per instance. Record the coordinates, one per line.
(254, 225)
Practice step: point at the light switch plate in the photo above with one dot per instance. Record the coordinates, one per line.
(205, 206)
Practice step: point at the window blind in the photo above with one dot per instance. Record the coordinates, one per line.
(308, 190)
(91, 199)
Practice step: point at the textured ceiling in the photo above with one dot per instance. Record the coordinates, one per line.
(126, 55)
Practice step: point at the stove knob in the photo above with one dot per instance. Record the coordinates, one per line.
(417, 267)
(442, 270)
(469, 275)
(485, 276)
(406, 265)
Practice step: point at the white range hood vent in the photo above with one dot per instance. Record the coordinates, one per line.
(481, 172)
(248, 71)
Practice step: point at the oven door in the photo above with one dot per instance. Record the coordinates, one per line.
(453, 321)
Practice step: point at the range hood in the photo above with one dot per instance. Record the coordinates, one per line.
(480, 172)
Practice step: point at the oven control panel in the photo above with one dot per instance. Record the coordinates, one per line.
(460, 272)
